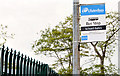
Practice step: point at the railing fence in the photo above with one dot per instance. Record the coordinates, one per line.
(16, 64)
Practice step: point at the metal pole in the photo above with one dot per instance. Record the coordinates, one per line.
(119, 38)
(76, 38)
(0, 63)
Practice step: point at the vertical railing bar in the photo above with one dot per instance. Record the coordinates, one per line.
(2, 60)
(24, 68)
(10, 62)
(33, 67)
(21, 62)
(48, 70)
(43, 69)
(28, 66)
(14, 58)
(18, 57)
(36, 68)
(52, 71)
(6, 61)
(39, 68)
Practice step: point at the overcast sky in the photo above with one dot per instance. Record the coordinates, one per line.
(25, 18)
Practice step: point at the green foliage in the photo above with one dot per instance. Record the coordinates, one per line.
(4, 35)
(57, 42)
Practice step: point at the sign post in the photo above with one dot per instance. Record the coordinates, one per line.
(76, 38)
(119, 38)
(93, 23)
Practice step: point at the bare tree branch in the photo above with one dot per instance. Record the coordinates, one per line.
(94, 46)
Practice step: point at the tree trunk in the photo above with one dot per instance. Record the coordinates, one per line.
(102, 65)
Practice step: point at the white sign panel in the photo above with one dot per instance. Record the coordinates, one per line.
(90, 36)
(93, 23)
(93, 20)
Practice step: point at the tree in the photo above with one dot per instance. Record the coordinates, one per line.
(57, 42)
(4, 35)
(104, 50)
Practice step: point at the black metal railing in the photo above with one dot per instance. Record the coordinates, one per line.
(16, 64)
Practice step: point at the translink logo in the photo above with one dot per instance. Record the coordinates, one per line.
(92, 10)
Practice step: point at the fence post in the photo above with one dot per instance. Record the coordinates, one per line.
(0, 62)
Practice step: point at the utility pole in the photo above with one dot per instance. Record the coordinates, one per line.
(76, 38)
(119, 38)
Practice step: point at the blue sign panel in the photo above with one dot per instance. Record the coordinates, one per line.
(98, 9)
(84, 37)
